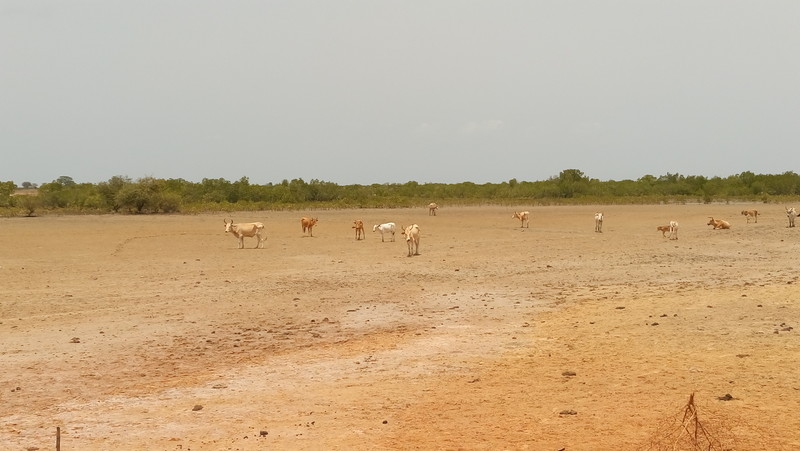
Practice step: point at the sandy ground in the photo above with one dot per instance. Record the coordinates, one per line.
(117, 329)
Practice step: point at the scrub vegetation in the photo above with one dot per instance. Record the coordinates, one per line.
(148, 195)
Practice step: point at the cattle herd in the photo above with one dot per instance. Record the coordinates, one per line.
(412, 233)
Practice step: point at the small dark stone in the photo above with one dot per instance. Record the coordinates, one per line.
(568, 412)
(385, 421)
(727, 397)
(263, 433)
(569, 373)
(197, 407)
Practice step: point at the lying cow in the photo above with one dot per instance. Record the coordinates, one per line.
(388, 227)
(718, 223)
(412, 239)
(308, 225)
(359, 226)
(248, 229)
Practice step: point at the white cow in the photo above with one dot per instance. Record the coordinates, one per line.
(432, 207)
(598, 222)
(791, 213)
(673, 230)
(412, 239)
(388, 227)
(247, 229)
(523, 218)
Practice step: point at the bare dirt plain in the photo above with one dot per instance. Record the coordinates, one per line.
(496, 337)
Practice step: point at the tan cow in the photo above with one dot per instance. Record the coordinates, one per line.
(308, 224)
(663, 230)
(412, 239)
(359, 226)
(750, 214)
(432, 207)
(523, 218)
(248, 229)
(718, 223)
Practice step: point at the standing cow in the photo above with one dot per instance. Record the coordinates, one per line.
(750, 214)
(308, 224)
(388, 227)
(432, 207)
(791, 213)
(523, 217)
(359, 226)
(248, 229)
(598, 222)
(412, 239)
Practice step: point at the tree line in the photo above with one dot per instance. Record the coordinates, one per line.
(148, 195)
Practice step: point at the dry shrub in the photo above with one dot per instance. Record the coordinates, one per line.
(709, 430)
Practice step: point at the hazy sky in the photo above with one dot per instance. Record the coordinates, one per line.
(361, 92)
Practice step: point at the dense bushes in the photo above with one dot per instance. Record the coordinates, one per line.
(150, 195)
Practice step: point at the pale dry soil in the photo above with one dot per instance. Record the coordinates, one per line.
(118, 328)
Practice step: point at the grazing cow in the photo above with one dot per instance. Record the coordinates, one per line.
(598, 222)
(248, 229)
(359, 226)
(673, 230)
(308, 224)
(412, 239)
(523, 218)
(388, 227)
(718, 223)
(432, 207)
(750, 214)
(791, 213)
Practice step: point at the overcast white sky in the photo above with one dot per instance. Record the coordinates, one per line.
(361, 92)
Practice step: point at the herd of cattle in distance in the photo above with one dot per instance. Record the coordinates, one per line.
(412, 232)
(256, 230)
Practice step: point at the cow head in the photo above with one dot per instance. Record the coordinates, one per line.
(228, 225)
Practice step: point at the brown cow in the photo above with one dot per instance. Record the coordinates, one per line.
(308, 224)
(718, 223)
(750, 214)
(359, 226)
(523, 217)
